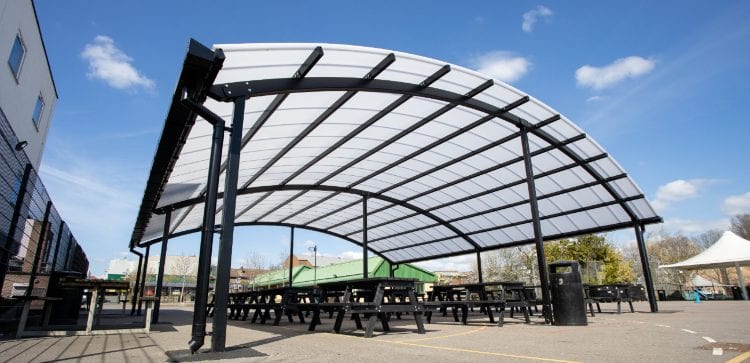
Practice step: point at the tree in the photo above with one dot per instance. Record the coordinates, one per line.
(708, 238)
(600, 261)
(740, 225)
(183, 266)
(253, 265)
(670, 249)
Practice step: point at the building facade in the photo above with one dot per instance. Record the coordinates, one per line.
(27, 90)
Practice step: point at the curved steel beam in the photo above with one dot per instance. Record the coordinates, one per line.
(227, 92)
(331, 188)
(278, 224)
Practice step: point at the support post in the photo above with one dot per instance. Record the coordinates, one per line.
(143, 279)
(57, 246)
(218, 339)
(291, 255)
(38, 254)
(741, 280)
(646, 268)
(162, 262)
(364, 237)
(479, 267)
(207, 239)
(135, 299)
(537, 226)
(17, 211)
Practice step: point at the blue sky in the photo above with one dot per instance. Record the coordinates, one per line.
(662, 86)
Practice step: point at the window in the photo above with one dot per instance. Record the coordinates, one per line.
(16, 56)
(38, 111)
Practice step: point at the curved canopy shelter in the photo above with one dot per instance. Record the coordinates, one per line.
(410, 157)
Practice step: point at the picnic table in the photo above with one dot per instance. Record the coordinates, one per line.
(374, 299)
(500, 295)
(617, 293)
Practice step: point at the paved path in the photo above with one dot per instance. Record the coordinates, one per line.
(714, 331)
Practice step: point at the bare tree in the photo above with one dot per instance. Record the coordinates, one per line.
(708, 238)
(183, 266)
(253, 265)
(740, 225)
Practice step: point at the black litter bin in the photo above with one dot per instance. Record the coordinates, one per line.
(662, 295)
(568, 307)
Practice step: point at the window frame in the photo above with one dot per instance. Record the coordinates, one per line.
(38, 120)
(17, 72)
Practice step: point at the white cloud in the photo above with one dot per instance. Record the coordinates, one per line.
(530, 17)
(351, 255)
(736, 204)
(595, 99)
(462, 263)
(113, 66)
(505, 66)
(611, 74)
(692, 227)
(676, 191)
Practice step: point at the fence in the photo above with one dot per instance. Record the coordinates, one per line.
(34, 240)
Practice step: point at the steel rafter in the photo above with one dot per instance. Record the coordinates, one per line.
(464, 178)
(492, 210)
(514, 224)
(374, 72)
(318, 84)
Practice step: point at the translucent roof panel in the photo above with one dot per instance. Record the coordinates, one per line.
(435, 151)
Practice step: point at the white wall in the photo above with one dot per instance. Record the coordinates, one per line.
(18, 97)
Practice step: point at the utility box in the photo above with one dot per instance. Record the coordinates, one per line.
(568, 306)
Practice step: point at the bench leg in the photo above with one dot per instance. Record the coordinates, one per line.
(455, 313)
(418, 320)
(526, 311)
(371, 325)
(339, 320)
(598, 308)
(630, 302)
(428, 316)
(384, 321)
(315, 320)
(464, 315)
(357, 320)
(501, 317)
(488, 309)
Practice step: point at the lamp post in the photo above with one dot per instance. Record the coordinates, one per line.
(314, 250)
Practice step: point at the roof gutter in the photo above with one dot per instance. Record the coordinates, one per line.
(199, 71)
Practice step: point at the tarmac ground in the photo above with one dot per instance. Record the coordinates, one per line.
(682, 331)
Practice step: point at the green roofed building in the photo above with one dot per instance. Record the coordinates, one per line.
(351, 270)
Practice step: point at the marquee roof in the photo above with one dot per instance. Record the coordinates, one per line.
(436, 149)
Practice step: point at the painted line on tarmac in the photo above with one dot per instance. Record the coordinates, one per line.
(740, 358)
(688, 331)
(481, 352)
(443, 336)
(663, 326)
(709, 339)
(718, 351)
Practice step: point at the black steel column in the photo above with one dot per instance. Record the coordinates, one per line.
(479, 267)
(639, 229)
(5, 257)
(38, 254)
(137, 281)
(207, 239)
(162, 262)
(364, 237)
(537, 225)
(143, 278)
(57, 245)
(291, 255)
(218, 339)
